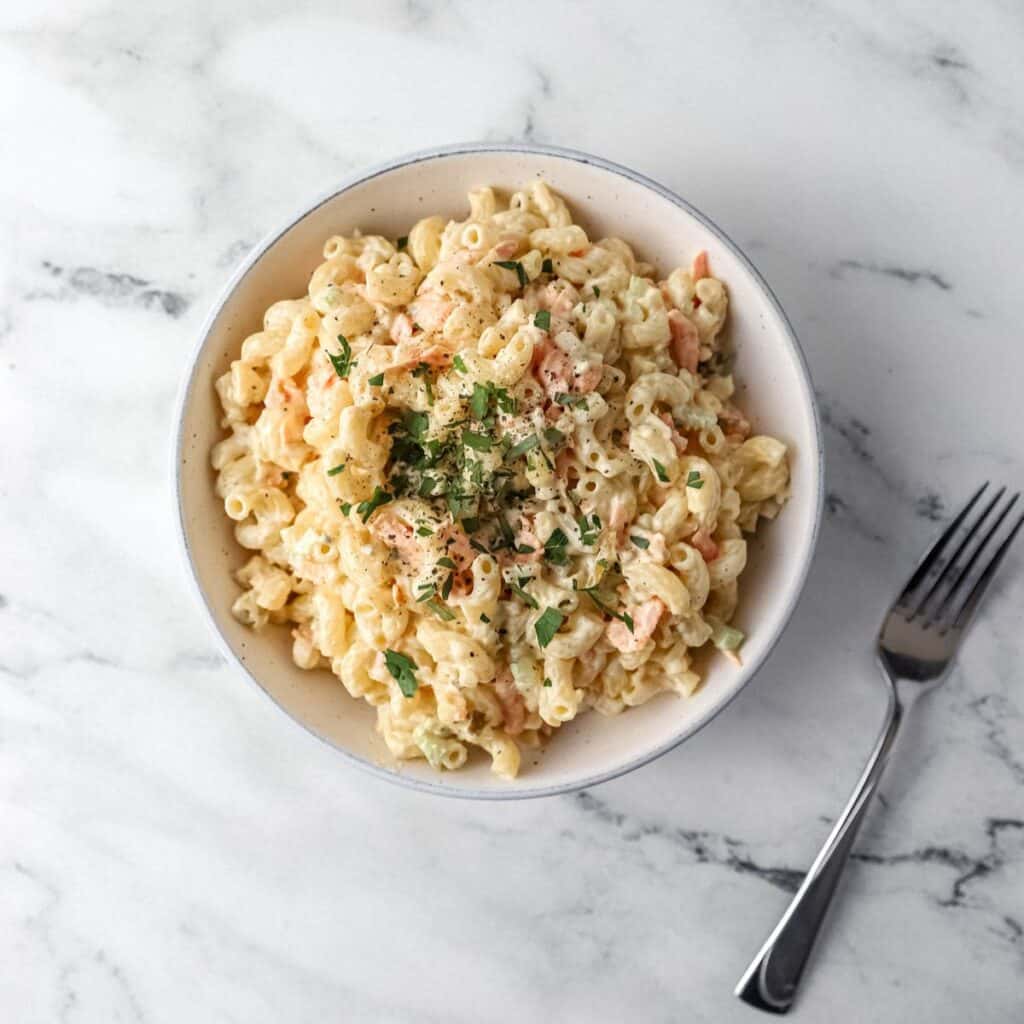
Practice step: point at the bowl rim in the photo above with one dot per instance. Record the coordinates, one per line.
(188, 384)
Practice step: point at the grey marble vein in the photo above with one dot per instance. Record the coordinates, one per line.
(115, 289)
(703, 846)
(999, 716)
(849, 428)
(734, 855)
(905, 274)
(968, 868)
(930, 506)
(836, 507)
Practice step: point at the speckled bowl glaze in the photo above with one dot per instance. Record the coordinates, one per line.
(774, 388)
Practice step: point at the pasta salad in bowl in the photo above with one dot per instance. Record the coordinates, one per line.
(486, 470)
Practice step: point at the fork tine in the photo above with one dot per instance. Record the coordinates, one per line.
(971, 533)
(970, 605)
(931, 556)
(935, 615)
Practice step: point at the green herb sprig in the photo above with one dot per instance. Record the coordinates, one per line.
(342, 362)
(548, 625)
(366, 508)
(517, 267)
(403, 670)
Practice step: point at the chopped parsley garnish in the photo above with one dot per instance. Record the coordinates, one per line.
(553, 436)
(376, 380)
(554, 547)
(458, 503)
(508, 538)
(403, 669)
(477, 442)
(471, 524)
(459, 363)
(597, 292)
(504, 401)
(403, 242)
(527, 599)
(446, 562)
(548, 625)
(570, 400)
(335, 470)
(640, 542)
(547, 267)
(517, 267)
(346, 507)
(446, 467)
(659, 469)
(446, 587)
(591, 592)
(547, 682)
(484, 619)
(525, 549)
(477, 546)
(693, 479)
(366, 508)
(403, 447)
(542, 319)
(487, 397)
(479, 401)
(526, 445)
(430, 453)
(342, 362)
(424, 531)
(427, 591)
(415, 424)
(441, 611)
(590, 529)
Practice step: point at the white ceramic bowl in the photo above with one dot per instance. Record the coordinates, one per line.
(774, 388)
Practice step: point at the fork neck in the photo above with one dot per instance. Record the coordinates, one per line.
(903, 692)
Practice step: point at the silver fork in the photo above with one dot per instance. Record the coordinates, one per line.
(916, 645)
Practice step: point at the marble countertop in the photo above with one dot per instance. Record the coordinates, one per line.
(174, 849)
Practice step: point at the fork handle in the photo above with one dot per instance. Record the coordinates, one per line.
(771, 981)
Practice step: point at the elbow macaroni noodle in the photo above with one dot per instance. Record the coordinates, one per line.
(492, 476)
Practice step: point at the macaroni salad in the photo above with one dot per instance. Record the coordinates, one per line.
(493, 476)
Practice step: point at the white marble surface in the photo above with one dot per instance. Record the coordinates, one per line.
(172, 849)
